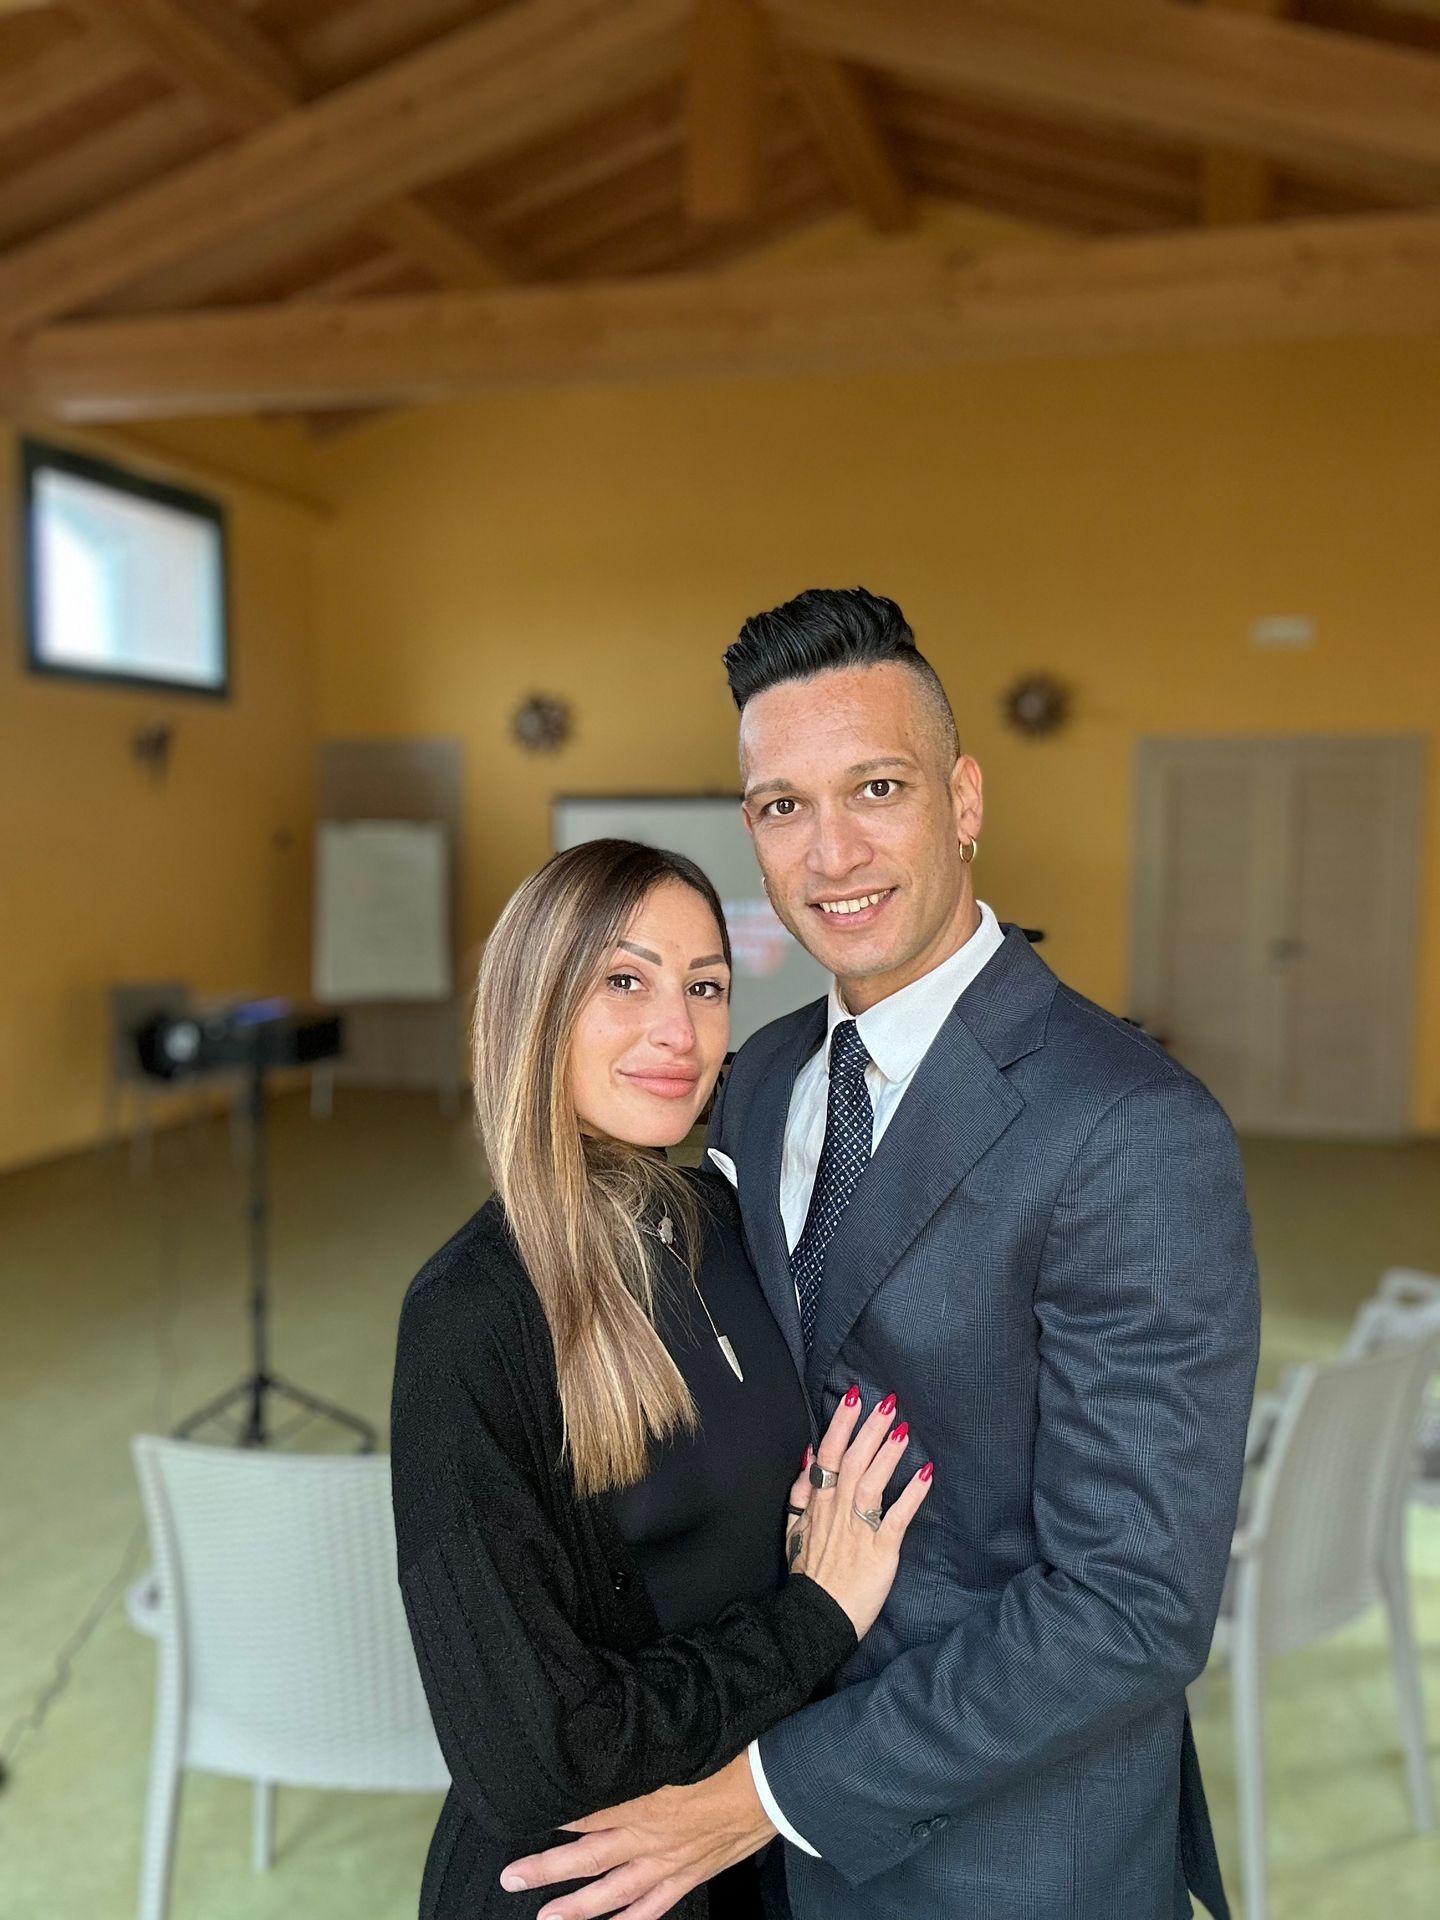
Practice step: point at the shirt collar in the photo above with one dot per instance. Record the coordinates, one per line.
(898, 1031)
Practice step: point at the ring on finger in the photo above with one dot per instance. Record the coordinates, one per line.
(823, 1476)
(872, 1516)
(799, 1512)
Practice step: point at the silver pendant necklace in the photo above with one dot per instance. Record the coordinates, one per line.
(665, 1234)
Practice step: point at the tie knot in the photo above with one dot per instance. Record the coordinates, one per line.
(848, 1055)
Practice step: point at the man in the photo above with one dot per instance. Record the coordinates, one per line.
(963, 1183)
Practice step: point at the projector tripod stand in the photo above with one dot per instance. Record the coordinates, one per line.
(258, 1390)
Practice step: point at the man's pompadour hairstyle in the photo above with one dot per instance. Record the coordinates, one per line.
(823, 630)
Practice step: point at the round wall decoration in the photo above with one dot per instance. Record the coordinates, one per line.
(1036, 704)
(542, 724)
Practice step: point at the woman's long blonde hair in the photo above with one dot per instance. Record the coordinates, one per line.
(575, 1203)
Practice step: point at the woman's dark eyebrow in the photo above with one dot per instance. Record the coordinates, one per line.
(644, 953)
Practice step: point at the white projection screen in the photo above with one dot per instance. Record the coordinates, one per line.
(773, 972)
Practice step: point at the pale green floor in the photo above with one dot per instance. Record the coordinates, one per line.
(122, 1308)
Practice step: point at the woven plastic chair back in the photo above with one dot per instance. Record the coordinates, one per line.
(1331, 1498)
(281, 1622)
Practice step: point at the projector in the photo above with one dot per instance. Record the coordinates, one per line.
(247, 1033)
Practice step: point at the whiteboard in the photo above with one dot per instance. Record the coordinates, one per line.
(382, 918)
(773, 973)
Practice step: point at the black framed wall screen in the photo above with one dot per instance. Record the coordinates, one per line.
(125, 577)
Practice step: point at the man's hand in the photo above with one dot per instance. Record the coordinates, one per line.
(650, 1852)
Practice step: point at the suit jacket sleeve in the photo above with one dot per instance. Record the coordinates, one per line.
(538, 1722)
(1148, 1323)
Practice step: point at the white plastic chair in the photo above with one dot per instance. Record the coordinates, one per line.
(1411, 1303)
(1324, 1542)
(283, 1653)
(1405, 1306)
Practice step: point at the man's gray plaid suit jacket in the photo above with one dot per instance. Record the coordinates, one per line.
(1049, 1260)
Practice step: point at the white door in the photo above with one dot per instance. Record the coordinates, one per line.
(1275, 924)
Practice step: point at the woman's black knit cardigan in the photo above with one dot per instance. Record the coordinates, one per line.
(552, 1689)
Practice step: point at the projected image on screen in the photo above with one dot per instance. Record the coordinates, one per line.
(125, 575)
(773, 972)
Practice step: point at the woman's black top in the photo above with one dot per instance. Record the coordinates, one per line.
(707, 1523)
(554, 1685)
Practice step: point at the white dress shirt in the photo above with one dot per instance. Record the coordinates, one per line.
(898, 1032)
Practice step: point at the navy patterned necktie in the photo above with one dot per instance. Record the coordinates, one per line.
(849, 1123)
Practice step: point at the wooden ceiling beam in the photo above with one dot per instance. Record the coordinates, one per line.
(206, 47)
(1294, 92)
(850, 139)
(725, 97)
(1378, 276)
(482, 89)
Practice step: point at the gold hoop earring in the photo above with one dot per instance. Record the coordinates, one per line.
(968, 859)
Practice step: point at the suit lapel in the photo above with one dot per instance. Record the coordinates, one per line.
(955, 1109)
(759, 1153)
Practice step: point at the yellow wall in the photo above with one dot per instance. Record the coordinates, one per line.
(1119, 522)
(105, 876)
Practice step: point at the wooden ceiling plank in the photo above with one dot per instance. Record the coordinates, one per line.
(1235, 185)
(1376, 277)
(849, 136)
(948, 114)
(1291, 91)
(31, 90)
(207, 47)
(366, 277)
(986, 139)
(597, 216)
(999, 189)
(677, 247)
(498, 84)
(650, 191)
(340, 46)
(530, 179)
(725, 98)
(443, 247)
(126, 153)
(602, 166)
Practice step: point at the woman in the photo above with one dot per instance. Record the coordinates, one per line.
(596, 1423)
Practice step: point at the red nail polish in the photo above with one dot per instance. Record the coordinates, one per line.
(852, 1398)
(887, 1405)
(805, 1458)
(901, 1433)
(927, 1472)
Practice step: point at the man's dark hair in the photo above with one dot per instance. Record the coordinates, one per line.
(827, 628)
